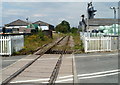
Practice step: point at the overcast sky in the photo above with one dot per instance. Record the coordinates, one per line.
(53, 12)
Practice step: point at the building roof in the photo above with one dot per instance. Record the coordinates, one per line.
(18, 23)
(102, 21)
(41, 23)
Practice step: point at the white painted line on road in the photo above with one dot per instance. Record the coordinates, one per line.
(96, 76)
(59, 81)
(23, 81)
(88, 77)
(45, 79)
(98, 73)
(77, 56)
(70, 77)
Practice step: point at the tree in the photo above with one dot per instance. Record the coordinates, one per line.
(41, 35)
(74, 30)
(63, 27)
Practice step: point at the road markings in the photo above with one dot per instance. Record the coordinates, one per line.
(59, 81)
(77, 56)
(38, 80)
(24, 81)
(70, 77)
(99, 73)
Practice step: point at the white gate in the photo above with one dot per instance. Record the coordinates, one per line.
(93, 44)
(10, 44)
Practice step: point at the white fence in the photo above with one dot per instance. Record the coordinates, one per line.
(10, 44)
(94, 44)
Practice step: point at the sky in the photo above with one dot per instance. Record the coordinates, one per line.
(53, 12)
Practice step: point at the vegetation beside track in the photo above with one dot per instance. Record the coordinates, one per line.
(78, 44)
(35, 41)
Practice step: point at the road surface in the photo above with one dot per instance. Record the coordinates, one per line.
(97, 67)
(6, 61)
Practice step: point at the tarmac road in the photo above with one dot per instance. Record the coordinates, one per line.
(97, 67)
(6, 61)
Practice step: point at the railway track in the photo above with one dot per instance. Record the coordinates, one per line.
(63, 47)
(39, 60)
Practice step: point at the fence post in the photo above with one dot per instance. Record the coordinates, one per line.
(107, 43)
(110, 39)
(10, 46)
(86, 46)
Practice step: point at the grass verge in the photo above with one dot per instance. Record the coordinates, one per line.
(78, 44)
(33, 42)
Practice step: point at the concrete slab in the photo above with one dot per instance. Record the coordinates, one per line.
(40, 69)
(66, 70)
(16, 66)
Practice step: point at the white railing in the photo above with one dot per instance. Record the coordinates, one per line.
(94, 44)
(10, 44)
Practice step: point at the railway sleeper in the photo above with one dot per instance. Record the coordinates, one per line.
(59, 52)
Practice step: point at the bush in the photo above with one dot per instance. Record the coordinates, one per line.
(41, 35)
(74, 30)
(63, 27)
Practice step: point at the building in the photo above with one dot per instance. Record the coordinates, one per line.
(94, 23)
(44, 26)
(17, 24)
(20, 26)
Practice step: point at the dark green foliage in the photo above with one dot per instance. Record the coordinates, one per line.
(63, 27)
(41, 35)
(74, 30)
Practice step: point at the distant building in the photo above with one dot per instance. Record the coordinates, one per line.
(44, 26)
(17, 24)
(20, 26)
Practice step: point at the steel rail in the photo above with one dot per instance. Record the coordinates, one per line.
(7, 80)
(55, 72)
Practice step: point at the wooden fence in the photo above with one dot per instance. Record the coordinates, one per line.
(10, 44)
(97, 42)
(94, 44)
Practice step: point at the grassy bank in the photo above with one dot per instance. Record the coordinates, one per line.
(78, 47)
(32, 42)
